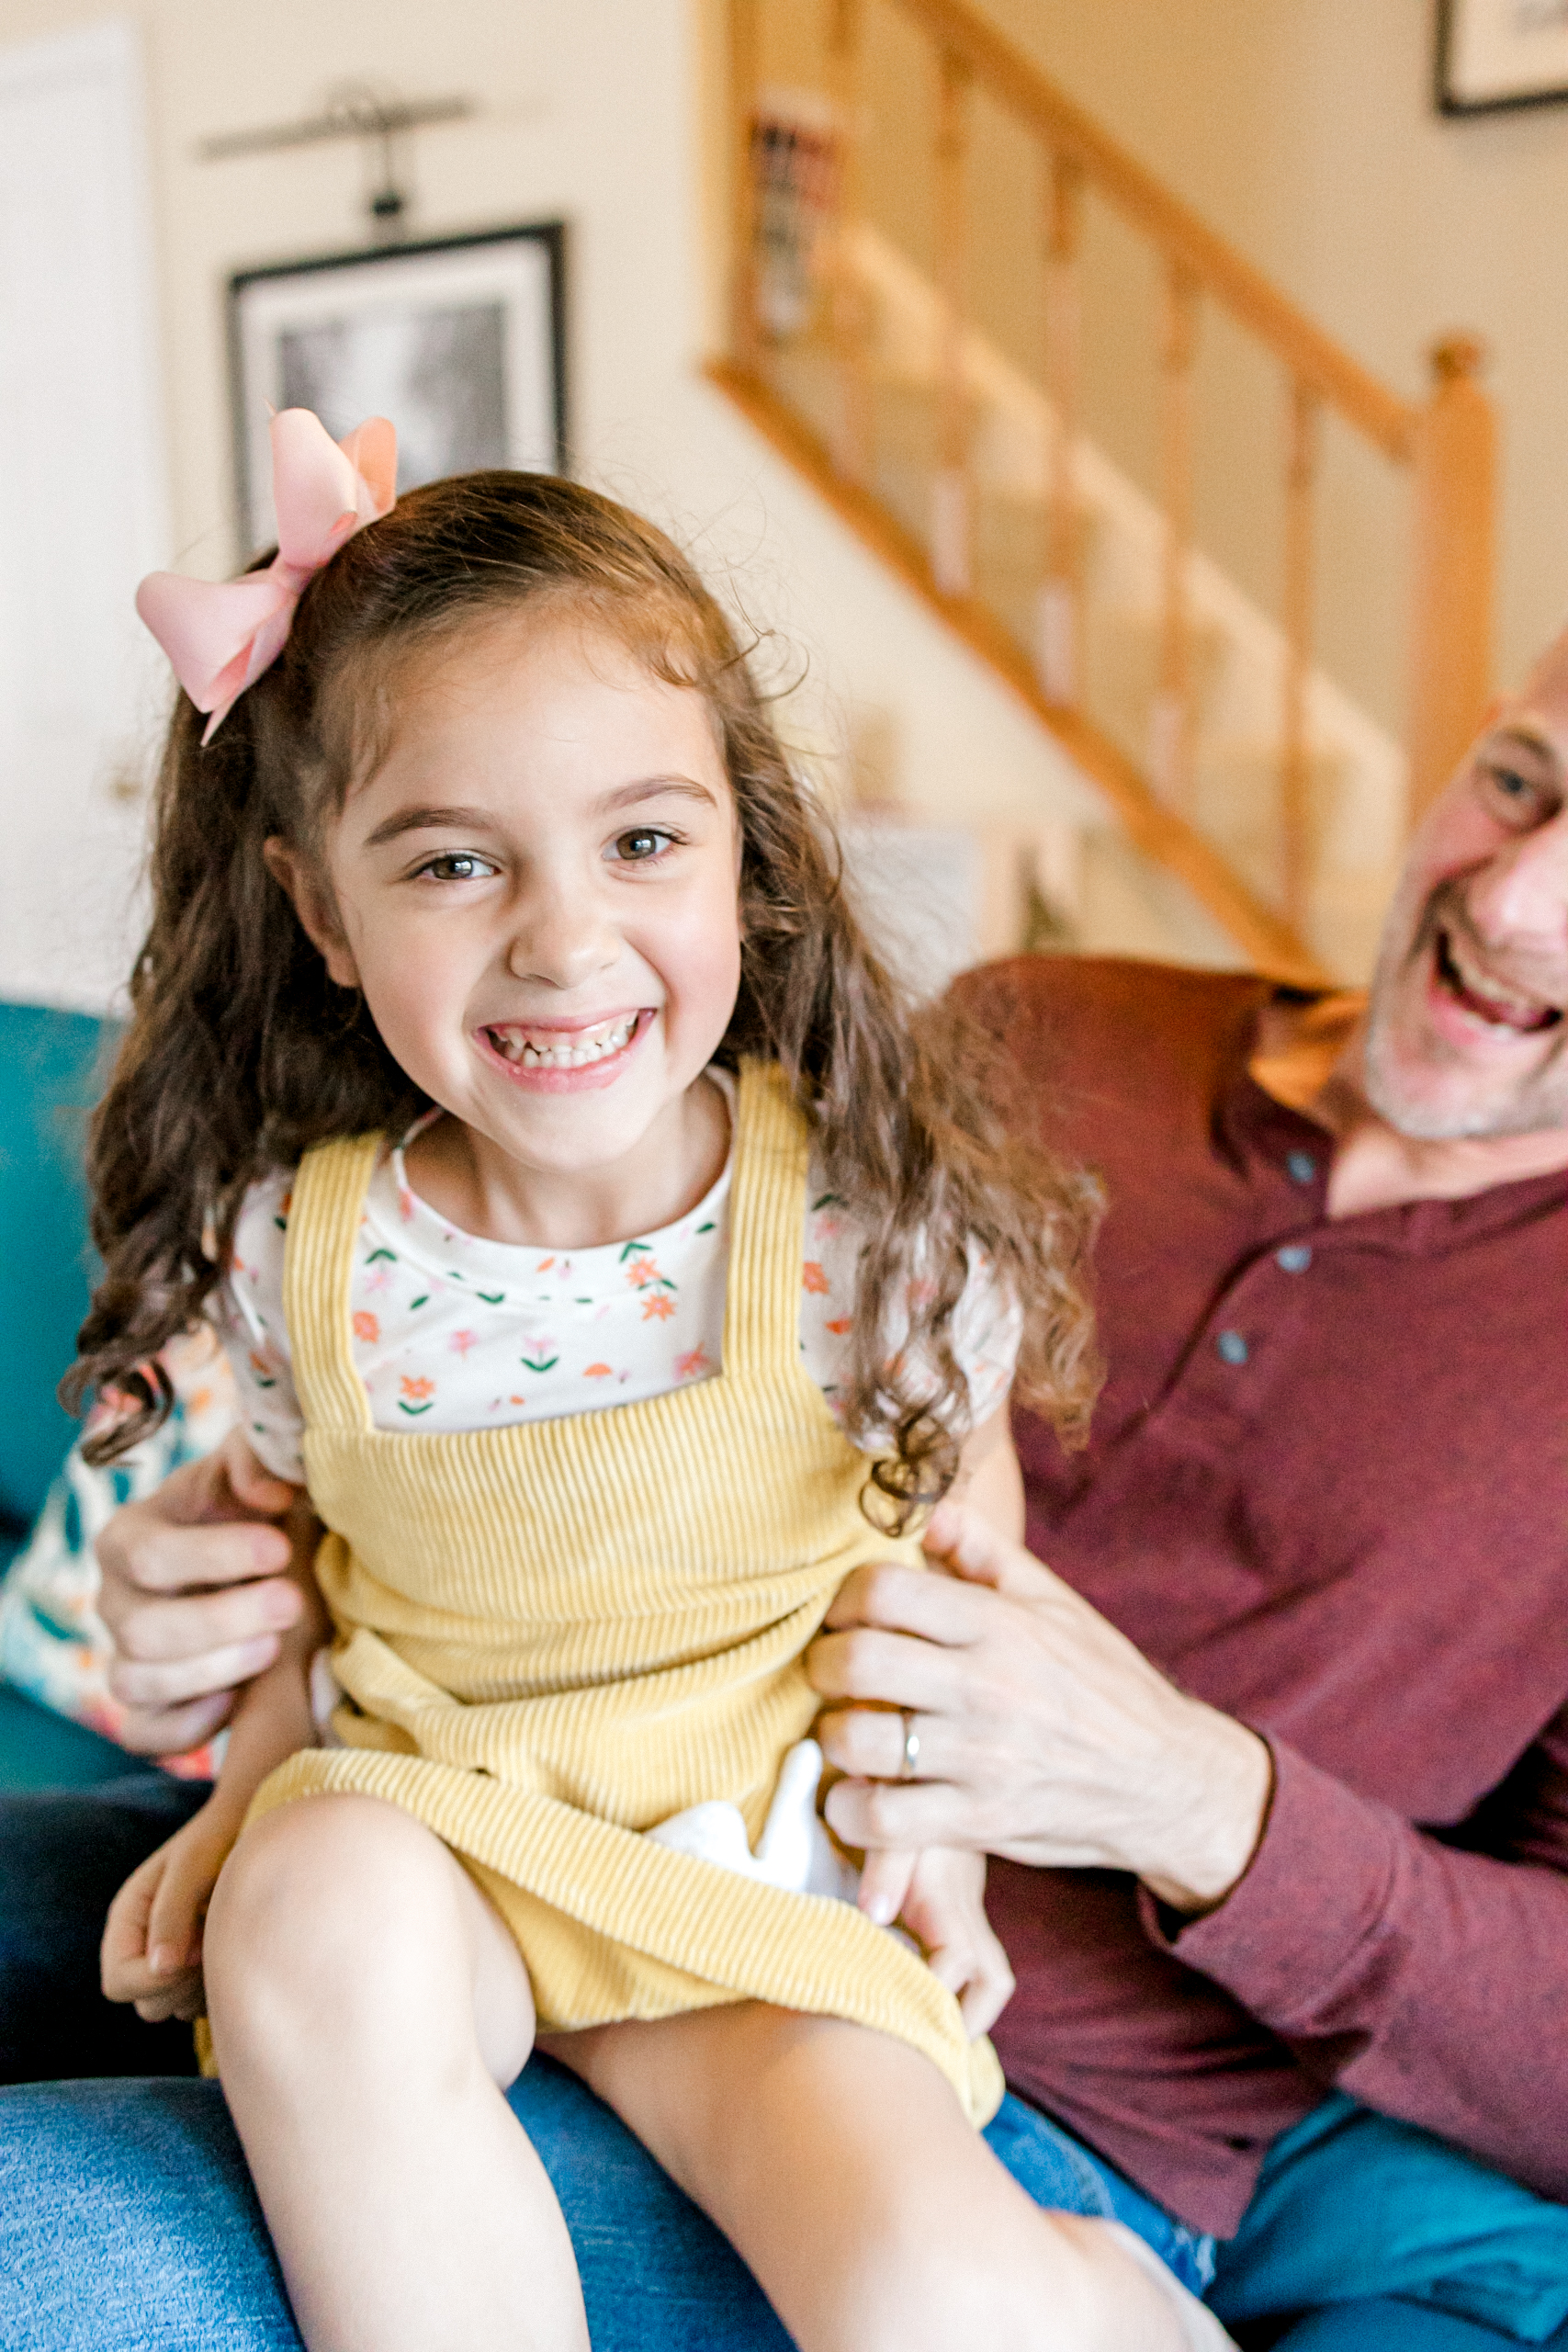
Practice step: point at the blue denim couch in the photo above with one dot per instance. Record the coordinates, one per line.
(51, 1073)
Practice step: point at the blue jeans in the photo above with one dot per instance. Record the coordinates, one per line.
(128, 2223)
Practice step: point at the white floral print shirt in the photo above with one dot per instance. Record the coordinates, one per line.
(455, 1332)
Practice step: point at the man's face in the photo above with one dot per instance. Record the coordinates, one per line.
(1466, 1031)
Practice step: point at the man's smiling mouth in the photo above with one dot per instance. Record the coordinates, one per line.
(1486, 998)
(540, 1048)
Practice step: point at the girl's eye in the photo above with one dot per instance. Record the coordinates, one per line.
(638, 847)
(458, 866)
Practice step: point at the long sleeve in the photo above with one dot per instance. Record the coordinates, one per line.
(1430, 1981)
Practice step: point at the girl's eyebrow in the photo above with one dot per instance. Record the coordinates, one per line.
(414, 821)
(433, 819)
(649, 788)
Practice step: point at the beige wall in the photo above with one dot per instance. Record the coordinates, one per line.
(593, 114)
(1304, 132)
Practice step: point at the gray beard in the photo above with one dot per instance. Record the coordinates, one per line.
(1539, 1107)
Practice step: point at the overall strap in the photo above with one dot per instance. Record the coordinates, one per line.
(325, 1210)
(762, 1306)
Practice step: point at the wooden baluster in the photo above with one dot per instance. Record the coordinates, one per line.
(1301, 468)
(1060, 622)
(1456, 491)
(952, 566)
(849, 301)
(1171, 724)
(746, 340)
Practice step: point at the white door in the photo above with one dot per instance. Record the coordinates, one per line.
(83, 512)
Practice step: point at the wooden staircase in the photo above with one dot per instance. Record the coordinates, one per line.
(878, 388)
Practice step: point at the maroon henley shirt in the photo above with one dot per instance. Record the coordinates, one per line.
(1326, 1491)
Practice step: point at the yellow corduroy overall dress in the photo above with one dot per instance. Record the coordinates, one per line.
(553, 1636)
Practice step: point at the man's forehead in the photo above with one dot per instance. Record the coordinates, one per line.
(1543, 698)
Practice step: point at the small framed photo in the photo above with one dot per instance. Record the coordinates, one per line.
(1497, 53)
(459, 341)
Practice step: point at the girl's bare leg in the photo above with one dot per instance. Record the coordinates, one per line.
(875, 2218)
(365, 2004)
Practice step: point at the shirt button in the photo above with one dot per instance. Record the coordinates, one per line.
(1295, 1258)
(1232, 1347)
(1300, 1167)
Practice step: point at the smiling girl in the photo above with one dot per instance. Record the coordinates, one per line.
(616, 1265)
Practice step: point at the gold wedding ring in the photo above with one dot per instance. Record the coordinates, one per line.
(912, 1746)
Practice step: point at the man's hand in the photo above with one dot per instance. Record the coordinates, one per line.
(195, 1592)
(1045, 1735)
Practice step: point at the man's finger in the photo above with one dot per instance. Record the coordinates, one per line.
(164, 1683)
(192, 1625)
(909, 1600)
(966, 1546)
(142, 1551)
(868, 1742)
(871, 1814)
(173, 1731)
(899, 1669)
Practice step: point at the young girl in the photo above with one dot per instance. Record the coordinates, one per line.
(618, 1268)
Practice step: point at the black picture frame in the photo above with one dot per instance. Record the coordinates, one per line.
(480, 317)
(1451, 92)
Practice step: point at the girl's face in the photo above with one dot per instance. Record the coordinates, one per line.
(537, 891)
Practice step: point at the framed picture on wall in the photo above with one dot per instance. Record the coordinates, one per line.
(459, 341)
(1494, 53)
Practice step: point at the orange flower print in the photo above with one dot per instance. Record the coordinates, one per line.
(264, 1369)
(405, 1202)
(543, 1265)
(365, 1328)
(658, 1307)
(641, 1272)
(693, 1365)
(815, 1279)
(417, 1393)
(596, 1372)
(840, 1325)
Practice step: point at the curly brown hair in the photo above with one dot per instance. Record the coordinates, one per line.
(242, 1053)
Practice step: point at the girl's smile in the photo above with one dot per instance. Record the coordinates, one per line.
(536, 890)
(566, 1057)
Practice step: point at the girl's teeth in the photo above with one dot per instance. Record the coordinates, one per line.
(571, 1053)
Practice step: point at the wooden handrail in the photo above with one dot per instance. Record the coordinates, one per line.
(1058, 657)
(1312, 358)
(1162, 834)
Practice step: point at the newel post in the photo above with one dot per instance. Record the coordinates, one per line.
(1455, 455)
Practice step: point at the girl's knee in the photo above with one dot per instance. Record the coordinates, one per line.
(321, 1893)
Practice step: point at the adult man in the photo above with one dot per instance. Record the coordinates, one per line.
(1290, 1929)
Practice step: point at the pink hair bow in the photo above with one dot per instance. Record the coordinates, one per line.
(221, 635)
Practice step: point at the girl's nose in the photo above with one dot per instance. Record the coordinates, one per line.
(563, 937)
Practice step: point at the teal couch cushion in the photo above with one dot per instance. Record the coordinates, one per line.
(50, 1074)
